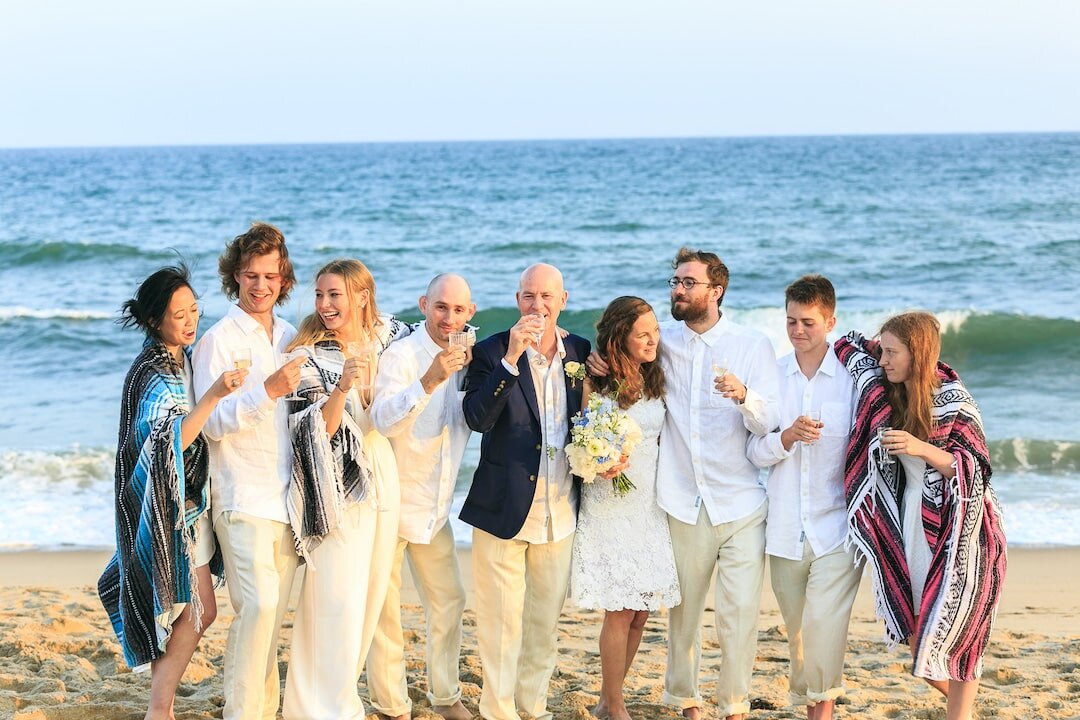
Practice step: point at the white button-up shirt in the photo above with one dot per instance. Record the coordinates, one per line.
(250, 448)
(703, 443)
(428, 433)
(553, 515)
(806, 483)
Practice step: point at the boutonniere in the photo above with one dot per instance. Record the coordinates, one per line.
(575, 371)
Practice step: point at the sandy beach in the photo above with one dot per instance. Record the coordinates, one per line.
(60, 661)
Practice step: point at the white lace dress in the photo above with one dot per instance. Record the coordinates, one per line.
(622, 549)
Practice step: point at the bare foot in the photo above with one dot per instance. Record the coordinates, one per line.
(403, 716)
(692, 713)
(457, 711)
(601, 711)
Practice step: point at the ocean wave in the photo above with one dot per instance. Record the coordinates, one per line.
(18, 311)
(1044, 457)
(62, 251)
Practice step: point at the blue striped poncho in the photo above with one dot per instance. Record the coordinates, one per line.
(161, 490)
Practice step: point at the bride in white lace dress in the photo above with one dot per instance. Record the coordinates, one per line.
(623, 562)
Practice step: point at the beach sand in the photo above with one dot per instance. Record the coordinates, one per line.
(59, 659)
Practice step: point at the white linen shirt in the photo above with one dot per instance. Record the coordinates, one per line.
(806, 483)
(703, 443)
(248, 433)
(428, 433)
(553, 515)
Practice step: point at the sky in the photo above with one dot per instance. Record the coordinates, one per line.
(117, 72)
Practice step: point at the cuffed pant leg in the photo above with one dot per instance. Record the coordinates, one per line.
(547, 577)
(740, 571)
(386, 658)
(499, 589)
(830, 594)
(695, 548)
(321, 684)
(438, 580)
(789, 578)
(259, 565)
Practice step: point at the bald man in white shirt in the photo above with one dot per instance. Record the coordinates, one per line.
(417, 406)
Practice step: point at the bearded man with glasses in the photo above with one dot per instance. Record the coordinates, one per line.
(722, 387)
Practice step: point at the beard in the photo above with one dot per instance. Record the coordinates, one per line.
(690, 312)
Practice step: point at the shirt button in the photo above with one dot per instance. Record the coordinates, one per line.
(537, 447)
(532, 478)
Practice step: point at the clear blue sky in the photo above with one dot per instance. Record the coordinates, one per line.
(113, 72)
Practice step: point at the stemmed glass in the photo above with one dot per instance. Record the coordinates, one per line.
(289, 357)
(241, 358)
(887, 459)
(815, 417)
(719, 369)
(539, 359)
(366, 359)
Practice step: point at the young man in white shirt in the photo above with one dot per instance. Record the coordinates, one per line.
(417, 406)
(251, 463)
(815, 579)
(721, 390)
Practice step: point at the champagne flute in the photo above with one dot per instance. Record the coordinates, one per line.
(887, 459)
(365, 358)
(539, 359)
(814, 416)
(241, 358)
(290, 357)
(719, 369)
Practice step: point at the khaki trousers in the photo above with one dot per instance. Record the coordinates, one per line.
(520, 588)
(329, 624)
(435, 572)
(815, 595)
(260, 561)
(736, 550)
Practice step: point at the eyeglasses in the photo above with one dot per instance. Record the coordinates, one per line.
(687, 283)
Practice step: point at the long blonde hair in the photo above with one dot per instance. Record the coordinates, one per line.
(913, 402)
(364, 320)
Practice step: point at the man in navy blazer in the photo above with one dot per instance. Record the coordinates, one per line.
(523, 500)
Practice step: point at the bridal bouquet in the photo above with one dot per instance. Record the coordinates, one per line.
(600, 435)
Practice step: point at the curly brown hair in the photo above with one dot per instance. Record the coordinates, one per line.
(261, 239)
(628, 379)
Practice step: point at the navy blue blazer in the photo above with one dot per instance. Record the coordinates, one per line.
(503, 407)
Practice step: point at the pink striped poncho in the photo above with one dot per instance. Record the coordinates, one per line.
(961, 518)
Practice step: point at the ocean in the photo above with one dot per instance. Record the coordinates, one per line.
(983, 230)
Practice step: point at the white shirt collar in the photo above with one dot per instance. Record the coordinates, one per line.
(829, 363)
(711, 336)
(427, 342)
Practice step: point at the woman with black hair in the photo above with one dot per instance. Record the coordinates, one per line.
(158, 588)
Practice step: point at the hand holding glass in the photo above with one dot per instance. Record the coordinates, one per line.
(365, 358)
(887, 459)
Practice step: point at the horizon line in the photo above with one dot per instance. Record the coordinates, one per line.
(464, 141)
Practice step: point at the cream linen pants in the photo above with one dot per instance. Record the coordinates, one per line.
(435, 571)
(260, 561)
(815, 595)
(328, 631)
(520, 588)
(737, 550)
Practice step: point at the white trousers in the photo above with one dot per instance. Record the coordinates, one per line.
(815, 596)
(435, 572)
(329, 623)
(260, 561)
(736, 550)
(520, 588)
